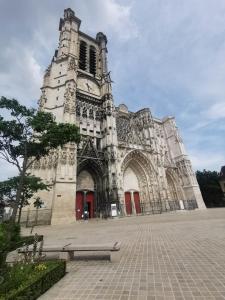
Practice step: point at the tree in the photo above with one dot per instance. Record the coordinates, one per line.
(210, 188)
(29, 135)
(8, 190)
(37, 204)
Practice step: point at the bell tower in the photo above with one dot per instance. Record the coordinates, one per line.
(77, 89)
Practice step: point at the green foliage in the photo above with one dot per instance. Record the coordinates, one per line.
(38, 202)
(30, 133)
(10, 240)
(29, 281)
(9, 234)
(28, 240)
(31, 185)
(210, 188)
(9, 237)
(9, 188)
(27, 136)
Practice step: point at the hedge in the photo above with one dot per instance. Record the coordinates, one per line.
(37, 283)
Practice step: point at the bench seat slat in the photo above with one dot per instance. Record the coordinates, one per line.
(113, 247)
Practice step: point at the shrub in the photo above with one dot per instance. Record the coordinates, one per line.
(9, 236)
(29, 281)
(10, 240)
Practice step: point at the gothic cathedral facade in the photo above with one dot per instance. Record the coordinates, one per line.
(131, 160)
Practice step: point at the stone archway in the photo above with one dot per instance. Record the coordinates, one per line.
(85, 195)
(89, 189)
(174, 185)
(175, 193)
(172, 192)
(139, 177)
(131, 190)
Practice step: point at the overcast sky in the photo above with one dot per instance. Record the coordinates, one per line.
(168, 55)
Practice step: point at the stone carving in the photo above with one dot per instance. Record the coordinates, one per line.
(55, 157)
(71, 158)
(84, 112)
(72, 64)
(63, 157)
(69, 102)
(43, 100)
(186, 172)
(87, 110)
(130, 127)
(177, 136)
(98, 114)
(78, 108)
(91, 113)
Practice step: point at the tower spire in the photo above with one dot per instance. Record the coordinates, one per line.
(68, 27)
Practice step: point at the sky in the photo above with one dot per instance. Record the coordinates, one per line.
(168, 55)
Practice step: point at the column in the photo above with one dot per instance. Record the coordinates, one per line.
(133, 203)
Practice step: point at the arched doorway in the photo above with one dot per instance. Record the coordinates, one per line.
(89, 189)
(84, 202)
(131, 195)
(171, 187)
(140, 179)
(85, 195)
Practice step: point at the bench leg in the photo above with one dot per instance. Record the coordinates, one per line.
(66, 255)
(114, 256)
(71, 255)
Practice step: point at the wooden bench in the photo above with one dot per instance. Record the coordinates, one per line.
(67, 252)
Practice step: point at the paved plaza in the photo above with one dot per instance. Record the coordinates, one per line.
(170, 256)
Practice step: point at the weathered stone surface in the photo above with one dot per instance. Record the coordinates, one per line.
(115, 142)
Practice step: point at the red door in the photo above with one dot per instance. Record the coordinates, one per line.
(128, 203)
(137, 202)
(90, 203)
(79, 205)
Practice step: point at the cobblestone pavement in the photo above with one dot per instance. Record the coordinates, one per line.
(170, 256)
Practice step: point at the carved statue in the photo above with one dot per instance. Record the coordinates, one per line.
(72, 64)
(69, 103)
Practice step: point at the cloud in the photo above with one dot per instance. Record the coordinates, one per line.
(118, 19)
(110, 16)
(206, 160)
(21, 74)
(216, 111)
(164, 54)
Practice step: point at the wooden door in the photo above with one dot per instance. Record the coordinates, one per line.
(137, 202)
(128, 203)
(90, 202)
(79, 205)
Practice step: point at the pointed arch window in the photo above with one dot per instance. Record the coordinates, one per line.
(92, 57)
(83, 56)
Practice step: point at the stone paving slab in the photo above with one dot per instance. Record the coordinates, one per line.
(170, 256)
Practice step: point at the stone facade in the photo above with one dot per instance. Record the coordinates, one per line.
(128, 158)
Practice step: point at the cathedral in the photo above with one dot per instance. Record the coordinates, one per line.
(127, 163)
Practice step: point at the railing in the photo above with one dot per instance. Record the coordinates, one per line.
(190, 204)
(31, 218)
(158, 207)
